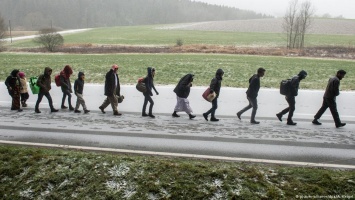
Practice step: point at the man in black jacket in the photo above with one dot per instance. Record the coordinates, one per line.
(215, 86)
(329, 100)
(252, 93)
(290, 97)
(112, 90)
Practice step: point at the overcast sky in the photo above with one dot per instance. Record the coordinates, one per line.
(335, 8)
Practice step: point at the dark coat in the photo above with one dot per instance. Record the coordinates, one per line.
(182, 89)
(79, 84)
(110, 84)
(254, 86)
(332, 89)
(295, 84)
(12, 81)
(44, 80)
(216, 82)
(149, 83)
(65, 83)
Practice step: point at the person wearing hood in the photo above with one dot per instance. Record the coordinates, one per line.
(65, 85)
(252, 93)
(24, 90)
(78, 89)
(215, 86)
(149, 83)
(182, 91)
(112, 90)
(290, 97)
(13, 85)
(44, 83)
(329, 100)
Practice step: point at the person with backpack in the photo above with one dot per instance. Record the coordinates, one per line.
(65, 85)
(112, 90)
(44, 83)
(13, 85)
(78, 89)
(292, 92)
(252, 93)
(329, 100)
(182, 91)
(149, 84)
(215, 86)
(23, 90)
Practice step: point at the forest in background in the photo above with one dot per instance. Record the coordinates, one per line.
(69, 14)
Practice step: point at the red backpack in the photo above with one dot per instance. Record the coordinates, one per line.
(57, 80)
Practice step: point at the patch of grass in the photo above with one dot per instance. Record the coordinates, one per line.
(171, 67)
(36, 173)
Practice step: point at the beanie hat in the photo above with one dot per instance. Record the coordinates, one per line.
(22, 74)
(302, 74)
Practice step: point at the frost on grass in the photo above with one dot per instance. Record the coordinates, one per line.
(118, 171)
(28, 194)
(25, 172)
(129, 191)
(115, 186)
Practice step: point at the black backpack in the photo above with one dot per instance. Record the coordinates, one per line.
(285, 86)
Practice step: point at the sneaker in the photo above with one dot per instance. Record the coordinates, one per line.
(279, 116)
(175, 115)
(291, 123)
(77, 111)
(86, 111)
(192, 116)
(71, 108)
(238, 115)
(117, 113)
(64, 107)
(54, 110)
(151, 115)
(340, 125)
(205, 116)
(214, 119)
(102, 109)
(37, 111)
(144, 115)
(254, 122)
(20, 110)
(316, 122)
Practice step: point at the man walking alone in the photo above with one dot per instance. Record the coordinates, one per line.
(112, 90)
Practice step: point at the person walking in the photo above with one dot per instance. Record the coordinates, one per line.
(149, 83)
(13, 85)
(44, 83)
(252, 93)
(329, 100)
(112, 90)
(182, 91)
(215, 86)
(290, 97)
(65, 85)
(78, 89)
(23, 90)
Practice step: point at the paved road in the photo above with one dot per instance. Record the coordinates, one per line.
(33, 36)
(232, 138)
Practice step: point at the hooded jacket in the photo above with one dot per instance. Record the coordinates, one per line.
(110, 83)
(254, 86)
(149, 83)
(65, 78)
(216, 82)
(182, 89)
(12, 81)
(79, 84)
(332, 89)
(295, 83)
(44, 80)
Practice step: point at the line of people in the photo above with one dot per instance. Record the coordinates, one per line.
(17, 86)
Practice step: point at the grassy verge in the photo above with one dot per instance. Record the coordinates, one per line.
(34, 173)
(171, 67)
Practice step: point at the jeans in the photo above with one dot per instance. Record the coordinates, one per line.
(253, 103)
(146, 99)
(48, 96)
(65, 94)
(212, 111)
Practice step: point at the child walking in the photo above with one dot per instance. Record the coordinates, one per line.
(78, 89)
(23, 89)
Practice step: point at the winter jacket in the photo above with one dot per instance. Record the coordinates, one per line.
(332, 89)
(110, 84)
(216, 82)
(254, 86)
(149, 83)
(182, 89)
(24, 85)
(44, 80)
(12, 81)
(295, 84)
(79, 84)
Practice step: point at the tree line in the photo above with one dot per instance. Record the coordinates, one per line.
(69, 14)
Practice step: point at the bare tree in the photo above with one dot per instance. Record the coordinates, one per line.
(50, 39)
(296, 22)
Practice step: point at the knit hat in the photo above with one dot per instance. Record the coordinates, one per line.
(21, 74)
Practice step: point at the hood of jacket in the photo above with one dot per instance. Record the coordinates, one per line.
(14, 72)
(80, 74)
(47, 70)
(219, 74)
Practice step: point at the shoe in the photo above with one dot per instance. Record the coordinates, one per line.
(151, 115)
(291, 123)
(254, 122)
(77, 111)
(316, 122)
(64, 107)
(54, 110)
(24, 105)
(117, 113)
(205, 116)
(71, 108)
(144, 115)
(279, 116)
(192, 116)
(340, 125)
(86, 111)
(238, 115)
(20, 110)
(102, 109)
(213, 119)
(37, 111)
(175, 115)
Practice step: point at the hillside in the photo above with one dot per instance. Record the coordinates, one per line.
(69, 14)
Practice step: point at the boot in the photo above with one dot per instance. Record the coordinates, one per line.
(71, 108)
(86, 111)
(213, 119)
(279, 116)
(175, 114)
(192, 116)
(144, 114)
(37, 110)
(54, 110)
(64, 107)
(102, 109)
(77, 111)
